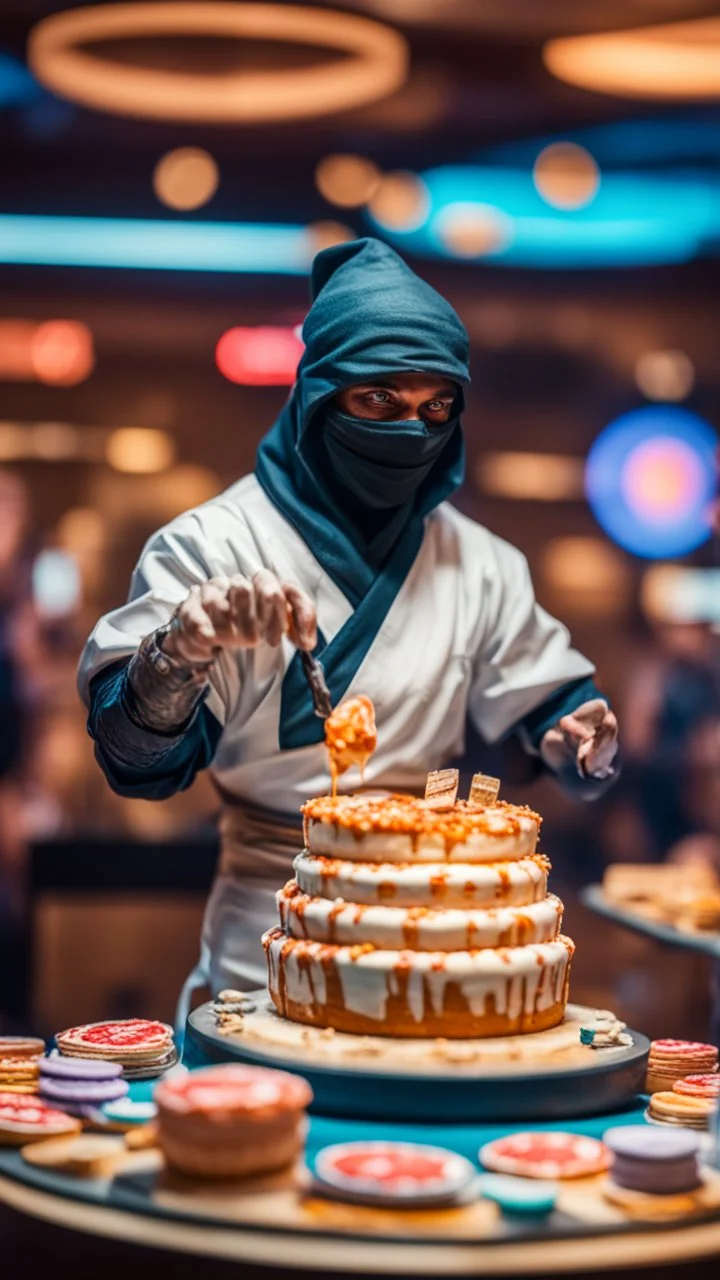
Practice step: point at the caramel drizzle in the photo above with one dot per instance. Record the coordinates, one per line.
(406, 814)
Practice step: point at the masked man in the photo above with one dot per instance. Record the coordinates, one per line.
(343, 539)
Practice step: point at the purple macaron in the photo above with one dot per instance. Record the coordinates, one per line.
(83, 1091)
(80, 1068)
(653, 1160)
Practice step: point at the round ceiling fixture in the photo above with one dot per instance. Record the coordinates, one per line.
(373, 63)
(678, 60)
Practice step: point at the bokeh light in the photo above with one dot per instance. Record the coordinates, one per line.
(62, 352)
(473, 230)
(566, 176)
(665, 375)
(587, 575)
(673, 60)
(186, 178)
(538, 477)
(266, 356)
(139, 450)
(56, 583)
(347, 180)
(326, 234)
(650, 479)
(401, 202)
(681, 594)
(55, 441)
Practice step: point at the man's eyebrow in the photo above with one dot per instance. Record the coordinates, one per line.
(389, 384)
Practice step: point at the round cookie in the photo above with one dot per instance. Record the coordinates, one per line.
(24, 1120)
(545, 1155)
(21, 1046)
(668, 1105)
(393, 1172)
(698, 1086)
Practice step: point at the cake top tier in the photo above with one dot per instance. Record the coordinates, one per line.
(409, 815)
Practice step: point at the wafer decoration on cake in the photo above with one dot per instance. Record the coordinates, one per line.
(441, 788)
(484, 790)
(409, 917)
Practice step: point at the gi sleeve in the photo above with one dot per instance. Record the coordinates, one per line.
(526, 674)
(137, 760)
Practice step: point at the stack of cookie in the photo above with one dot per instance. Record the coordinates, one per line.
(143, 1049)
(689, 1103)
(672, 1060)
(80, 1086)
(19, 1058)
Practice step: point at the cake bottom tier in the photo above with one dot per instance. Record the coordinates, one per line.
(457, 995)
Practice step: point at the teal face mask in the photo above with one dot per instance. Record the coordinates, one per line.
(382, 463)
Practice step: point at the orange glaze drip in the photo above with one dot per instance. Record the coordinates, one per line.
(409, 815)
(350, 736)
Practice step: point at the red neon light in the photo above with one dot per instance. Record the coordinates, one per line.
(266, 356)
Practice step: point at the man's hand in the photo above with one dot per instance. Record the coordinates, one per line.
(235, 613)
(587, 739)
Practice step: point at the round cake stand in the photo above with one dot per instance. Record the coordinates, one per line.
(543, 1076)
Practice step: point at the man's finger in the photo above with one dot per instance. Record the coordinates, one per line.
(193, 617)
(242, 607)
(271, 606)
(214, 600)
(303, 616)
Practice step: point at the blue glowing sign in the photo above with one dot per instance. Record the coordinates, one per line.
(155, 244)
(650, 480)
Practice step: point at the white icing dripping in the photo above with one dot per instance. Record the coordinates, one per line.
(297, 979)
(365, 986)
(437, 981)
(416, 994)
(318, 981)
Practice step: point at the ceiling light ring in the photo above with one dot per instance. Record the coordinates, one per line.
(377, 64)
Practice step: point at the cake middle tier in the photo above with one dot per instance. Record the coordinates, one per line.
(396, 928)
(424, 884)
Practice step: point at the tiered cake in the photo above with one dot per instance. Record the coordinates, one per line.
(409, 919)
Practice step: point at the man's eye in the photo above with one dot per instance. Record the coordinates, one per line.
(438, 406)
(379, 397)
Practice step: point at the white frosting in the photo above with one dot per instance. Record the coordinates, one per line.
(421, 929)
(336, 841)
(518, 980)
(436, 884)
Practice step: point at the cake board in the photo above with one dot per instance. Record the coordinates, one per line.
(546, 1075)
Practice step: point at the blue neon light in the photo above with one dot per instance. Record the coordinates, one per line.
(635, 219)
(158, 245)
(631, 502)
